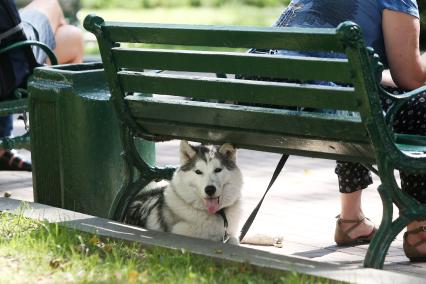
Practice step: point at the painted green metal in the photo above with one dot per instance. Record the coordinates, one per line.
(13, 106)
(251, 92)
(296, 68)
(280, 121)
(223, 36)
(44, 47)
(20, 104)
(208, 109)
(75, 139)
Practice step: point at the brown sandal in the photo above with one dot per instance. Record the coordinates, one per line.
(342, 238)
(411, 249)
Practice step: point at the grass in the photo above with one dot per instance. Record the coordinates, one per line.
(225, 15)
(238, 15)
(34, 251)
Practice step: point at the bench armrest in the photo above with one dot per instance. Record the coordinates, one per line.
(44, 47)
(398, 101)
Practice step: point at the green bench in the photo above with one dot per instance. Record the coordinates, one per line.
(18, 103)
(203, 106)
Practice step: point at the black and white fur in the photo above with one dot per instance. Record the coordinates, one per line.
(207, 184)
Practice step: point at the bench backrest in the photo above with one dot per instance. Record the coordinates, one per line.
(264, 117)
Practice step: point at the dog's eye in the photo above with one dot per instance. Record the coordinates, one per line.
(198, 172)
(217, 170)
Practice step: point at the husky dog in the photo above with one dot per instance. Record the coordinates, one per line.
(202, 200)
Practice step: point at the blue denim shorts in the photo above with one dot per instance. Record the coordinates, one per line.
(37, 27)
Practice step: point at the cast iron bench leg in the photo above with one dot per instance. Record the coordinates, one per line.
(134, 180)
(386, 233)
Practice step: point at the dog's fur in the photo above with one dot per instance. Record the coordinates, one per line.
(207, 181)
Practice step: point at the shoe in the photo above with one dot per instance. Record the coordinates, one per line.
(411, 249)
(342, 238)
(11, 162)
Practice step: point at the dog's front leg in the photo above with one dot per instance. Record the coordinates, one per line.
(233, 241)
(233, 214)
(182, 228)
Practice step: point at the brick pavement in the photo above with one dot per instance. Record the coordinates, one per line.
(301, 206)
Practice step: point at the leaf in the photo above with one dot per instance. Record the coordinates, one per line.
(94, 240)
(133, 276)
(56, 263)
(218, 251)
(108, 248)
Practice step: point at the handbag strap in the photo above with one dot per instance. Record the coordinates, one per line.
(253, 214)
(10, 32)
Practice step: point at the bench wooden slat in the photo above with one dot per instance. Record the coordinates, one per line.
(272, 66)
(243, 91)
(224, 36)
(410, 139)
(261, 141)
(412, 145)
(278, 121)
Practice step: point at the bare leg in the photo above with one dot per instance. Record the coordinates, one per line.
(69, 44)
(351, 210)
(51, 9)
(69, 39)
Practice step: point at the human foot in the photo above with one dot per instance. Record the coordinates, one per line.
(415, 241)
(353, 232)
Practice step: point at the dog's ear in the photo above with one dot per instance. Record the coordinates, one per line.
(186, 152)
(228, 151)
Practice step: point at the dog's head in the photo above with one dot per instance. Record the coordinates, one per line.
(208, 177)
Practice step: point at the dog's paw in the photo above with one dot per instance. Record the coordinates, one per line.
(263, 240)
(233, 241)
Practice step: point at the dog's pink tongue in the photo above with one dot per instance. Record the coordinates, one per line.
(212, 205)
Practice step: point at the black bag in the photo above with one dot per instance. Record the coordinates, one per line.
(15, 65)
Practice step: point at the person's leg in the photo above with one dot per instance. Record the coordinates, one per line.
(6, 126)
(352, 179)
(411, 120)
(8, 160)
(69, 44)
(51, 9)
(68, 39)
(351, 209)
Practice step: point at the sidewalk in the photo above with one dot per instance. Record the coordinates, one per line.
(301, 206)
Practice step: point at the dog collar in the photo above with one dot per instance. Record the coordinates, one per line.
(222, 214)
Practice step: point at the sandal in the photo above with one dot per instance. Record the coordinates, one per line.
(11, 162)
(411, 249)
(342, 237)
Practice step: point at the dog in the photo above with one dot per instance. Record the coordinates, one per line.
(202, 199)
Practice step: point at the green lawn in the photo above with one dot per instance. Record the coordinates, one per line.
(225, 15)
(37, 252)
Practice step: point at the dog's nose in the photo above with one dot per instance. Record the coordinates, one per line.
(210, 190)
